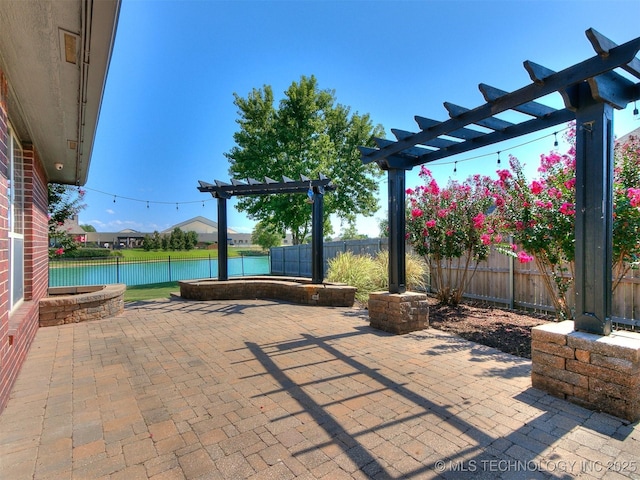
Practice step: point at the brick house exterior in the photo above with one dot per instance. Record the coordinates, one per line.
(46, 135)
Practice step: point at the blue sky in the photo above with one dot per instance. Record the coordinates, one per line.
(168, 116)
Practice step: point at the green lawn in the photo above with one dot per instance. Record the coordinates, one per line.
(150, 292)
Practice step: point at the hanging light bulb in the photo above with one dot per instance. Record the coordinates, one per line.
(498, 157)
(114, 199)
(635, 111)
(555, 142)
(455, 167)
(310, 194)
(147, 203)
(176, 206)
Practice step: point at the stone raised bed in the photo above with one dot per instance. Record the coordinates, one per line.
(289, 289)
(80, 304)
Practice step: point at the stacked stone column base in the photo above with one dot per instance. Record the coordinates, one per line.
(598, 372)
(398, 313)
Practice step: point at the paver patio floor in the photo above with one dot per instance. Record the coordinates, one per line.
(175, 389)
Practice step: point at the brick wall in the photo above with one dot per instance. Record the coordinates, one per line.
(18, 329)
(36, 255)
(4, 245)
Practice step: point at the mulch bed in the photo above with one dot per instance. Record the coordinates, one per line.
(506, 330)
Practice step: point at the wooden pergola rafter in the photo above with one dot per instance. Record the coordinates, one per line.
(590, 90)
(314, 188)
(268, 186)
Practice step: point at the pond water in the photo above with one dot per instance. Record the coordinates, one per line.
(62, 274)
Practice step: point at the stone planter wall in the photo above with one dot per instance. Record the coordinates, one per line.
(288, 289)
(398, 313)
(598, 372)
(80, 304)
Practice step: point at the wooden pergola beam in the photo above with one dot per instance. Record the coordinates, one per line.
(545, 82)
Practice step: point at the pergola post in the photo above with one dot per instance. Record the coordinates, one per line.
(317, 233)
(222, 239)
(594, 214)
(397, 226)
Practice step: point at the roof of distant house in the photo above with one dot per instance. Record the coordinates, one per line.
(197, 224)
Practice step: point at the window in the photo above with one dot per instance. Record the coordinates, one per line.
(16, 221)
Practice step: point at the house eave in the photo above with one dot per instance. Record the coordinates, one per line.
(55, 57)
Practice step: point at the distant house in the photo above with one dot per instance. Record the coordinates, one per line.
(206, 229)
(127, 238)
(72, 228)
(50, 96)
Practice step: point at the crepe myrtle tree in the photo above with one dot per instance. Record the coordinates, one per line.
(626, 207)
(453, 229)
(65, 202)
(540, 215)
(308, 133)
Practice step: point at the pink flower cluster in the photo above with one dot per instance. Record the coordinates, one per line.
(524, 257)
(634, 196)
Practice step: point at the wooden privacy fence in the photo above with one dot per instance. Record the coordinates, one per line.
(503, 280)
(500, 279)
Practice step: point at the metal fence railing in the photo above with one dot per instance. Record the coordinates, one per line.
(101, 271)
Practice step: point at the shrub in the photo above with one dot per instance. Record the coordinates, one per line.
(85, 253)
(416, 271)
(354, 270)
(370, 274)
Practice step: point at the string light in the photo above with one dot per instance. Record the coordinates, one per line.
(380, 182)
(177, 206)
(145, 201)
(635, 110)
(455, 167)
(484, 155)
(555, 142)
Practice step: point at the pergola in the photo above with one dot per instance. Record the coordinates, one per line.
(313, 188)
(590, 90)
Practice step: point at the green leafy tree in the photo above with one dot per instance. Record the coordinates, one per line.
(152, 242)
(308, 134)
(266, 236)
(156, 240)
(88, 228)
(65, 201)
(190, 240)
(165, 242)
(350, 232)
(176, 240)
(383, 226)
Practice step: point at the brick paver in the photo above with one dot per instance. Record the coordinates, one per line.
(176, 389)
